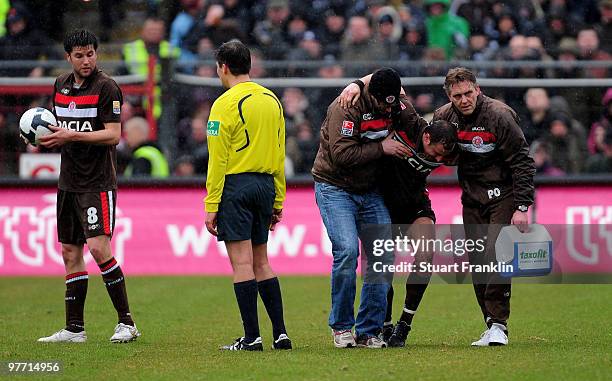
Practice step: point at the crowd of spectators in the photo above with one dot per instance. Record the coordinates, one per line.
(408, 31)
(569, 128)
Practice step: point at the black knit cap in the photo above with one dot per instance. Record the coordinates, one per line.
(385, 86)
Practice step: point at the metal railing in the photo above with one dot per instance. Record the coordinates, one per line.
(194, 80)
(112, 65)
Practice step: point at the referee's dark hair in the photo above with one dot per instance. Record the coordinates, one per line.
(80, 37)
(236, 56)
(442, 132)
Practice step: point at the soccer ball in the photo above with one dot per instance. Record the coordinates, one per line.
(33, 124)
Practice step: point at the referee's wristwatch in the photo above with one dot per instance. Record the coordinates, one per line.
(522, 208)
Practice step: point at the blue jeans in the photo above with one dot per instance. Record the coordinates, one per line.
(344, 215)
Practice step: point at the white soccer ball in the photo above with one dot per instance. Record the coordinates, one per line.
(33, 124)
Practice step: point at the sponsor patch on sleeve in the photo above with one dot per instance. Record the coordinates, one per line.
(212, 128)
(116, 107)
(347, 128)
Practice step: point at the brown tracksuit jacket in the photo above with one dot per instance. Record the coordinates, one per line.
(494, 161)
(351, 146)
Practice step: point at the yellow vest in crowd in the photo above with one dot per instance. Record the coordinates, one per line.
(137, 61)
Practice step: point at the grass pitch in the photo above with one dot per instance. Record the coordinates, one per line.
(557, 332)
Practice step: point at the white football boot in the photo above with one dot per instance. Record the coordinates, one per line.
(64, 336)
(494, 336)
(124, 333)
(483, 341)
(497, 335)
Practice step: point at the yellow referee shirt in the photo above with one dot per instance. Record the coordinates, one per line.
(246, 133)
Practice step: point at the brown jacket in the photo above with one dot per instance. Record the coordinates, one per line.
(350, 146)
(494, 160)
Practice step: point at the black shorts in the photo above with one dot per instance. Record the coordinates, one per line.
(85, 215)
(408, 210)
(245, 211)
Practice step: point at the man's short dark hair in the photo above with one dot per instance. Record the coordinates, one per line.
(80, 37)
(236, 56)
(442, 132)
(457, 75)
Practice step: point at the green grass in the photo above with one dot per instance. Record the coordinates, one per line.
(557, 332)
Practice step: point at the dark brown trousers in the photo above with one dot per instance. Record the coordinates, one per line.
(492, 290)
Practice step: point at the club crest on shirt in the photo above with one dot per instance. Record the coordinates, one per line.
(116, 107)
(212, 128)
(347, 128)
(477, 141)
(72, 106)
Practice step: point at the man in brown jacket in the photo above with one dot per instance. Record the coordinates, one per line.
(496, 178)
(352, 142)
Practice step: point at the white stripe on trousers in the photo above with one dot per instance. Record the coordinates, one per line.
(110, 209)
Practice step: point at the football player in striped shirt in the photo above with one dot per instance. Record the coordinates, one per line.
(87, 105)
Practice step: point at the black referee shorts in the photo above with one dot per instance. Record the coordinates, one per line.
(245, 211)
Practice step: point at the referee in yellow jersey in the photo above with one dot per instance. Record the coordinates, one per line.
(246, 189)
